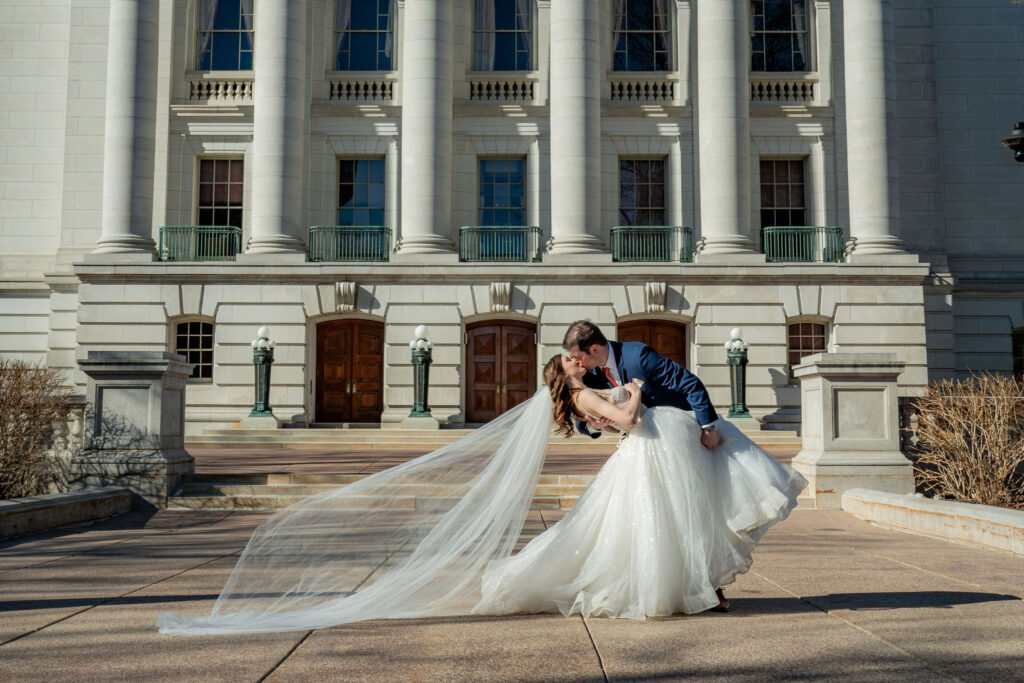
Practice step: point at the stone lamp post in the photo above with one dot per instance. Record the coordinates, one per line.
(736, 357)
(422, 357)
(262, 415)
(1015, 143)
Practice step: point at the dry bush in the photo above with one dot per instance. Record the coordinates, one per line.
(33, 399)
(970, 446)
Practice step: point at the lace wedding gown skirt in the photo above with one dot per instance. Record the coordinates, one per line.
(664, 523)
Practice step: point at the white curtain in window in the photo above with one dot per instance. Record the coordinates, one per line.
(247, 12)
(619, 23)
(523, 24)
(388, 38)
(342, 23)
(207, 12)
(800, 27)
(662, 23)
(483, 37)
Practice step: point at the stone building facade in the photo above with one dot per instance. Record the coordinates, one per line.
(825, 174)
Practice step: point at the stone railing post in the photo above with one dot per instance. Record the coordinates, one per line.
(850, 426)
(134, 425)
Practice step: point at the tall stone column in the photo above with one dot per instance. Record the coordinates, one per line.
(427, 127)
(129, 135)
(723, 105)
(280, 104)
(575, 98)
(871, 164)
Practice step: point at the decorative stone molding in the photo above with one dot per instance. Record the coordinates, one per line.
(500, 295)
(654, 297)
(345, 296)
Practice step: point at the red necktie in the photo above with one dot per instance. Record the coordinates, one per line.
(608, 374)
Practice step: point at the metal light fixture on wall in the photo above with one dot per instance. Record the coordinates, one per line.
(1015, 143)
(421, 359)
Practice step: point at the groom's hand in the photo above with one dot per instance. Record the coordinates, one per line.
(710, 440)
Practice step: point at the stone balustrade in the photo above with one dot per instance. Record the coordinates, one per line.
(492, 89)
(370, 89)
(646, 89)
(237, 89)
(772, 88)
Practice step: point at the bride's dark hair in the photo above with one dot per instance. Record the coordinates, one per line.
(563, 395)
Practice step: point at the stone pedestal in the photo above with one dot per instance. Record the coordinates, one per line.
(134, 424)
(420, 422)
(851, 426)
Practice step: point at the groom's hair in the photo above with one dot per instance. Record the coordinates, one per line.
(583, 334)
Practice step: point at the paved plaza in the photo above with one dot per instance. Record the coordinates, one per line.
(829, 597)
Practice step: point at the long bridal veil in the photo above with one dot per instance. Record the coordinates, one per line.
(412, 541)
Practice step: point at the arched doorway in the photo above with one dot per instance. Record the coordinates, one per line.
(501, 367)
(349, 371)
(666, 337)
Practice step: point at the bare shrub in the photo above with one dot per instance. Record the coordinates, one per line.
(33, 399)
(971, 440)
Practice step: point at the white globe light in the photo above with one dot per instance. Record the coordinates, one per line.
(271, 344)
(263, 332)
(430, 344)
(421, 343)
(412, 344)
(255, 342)
(421, 332)
(262, 343)
(728, 345)
(735, 333)
(737, 344)
(745, 346)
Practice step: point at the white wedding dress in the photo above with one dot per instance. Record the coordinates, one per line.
(662, 525)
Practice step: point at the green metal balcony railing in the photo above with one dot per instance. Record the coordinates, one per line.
(199, 242)
(349, 243)
(669, 243)
(803, 243)
(509, 243)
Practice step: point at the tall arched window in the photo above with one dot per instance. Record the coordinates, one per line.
(641, 35)
(779, 35)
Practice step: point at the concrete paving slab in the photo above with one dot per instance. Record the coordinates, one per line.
(518, 648)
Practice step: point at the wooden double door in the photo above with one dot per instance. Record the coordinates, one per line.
(349, 371)
(665, 337)
(501, 368)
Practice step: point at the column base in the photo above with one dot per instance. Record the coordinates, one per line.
(420, 422)
(124, 244)
(151, 476)
(577, 244)
(275, 244)
(731, 258)
(729, 244)
(426, 244)
(260, 422)
(881, 245)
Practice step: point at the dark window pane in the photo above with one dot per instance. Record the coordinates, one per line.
(363, 55)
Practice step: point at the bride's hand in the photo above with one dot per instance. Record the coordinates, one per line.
(632, 388)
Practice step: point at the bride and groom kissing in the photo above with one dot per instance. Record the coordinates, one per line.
(672, 516)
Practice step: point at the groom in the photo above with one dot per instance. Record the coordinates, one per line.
(665, 382)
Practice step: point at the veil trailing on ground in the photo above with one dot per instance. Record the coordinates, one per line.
(412, 541)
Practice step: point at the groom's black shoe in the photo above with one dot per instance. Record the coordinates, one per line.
(723, 604)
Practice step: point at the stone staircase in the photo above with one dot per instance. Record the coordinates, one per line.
(272, 491)
(275, 491)
(374, 437)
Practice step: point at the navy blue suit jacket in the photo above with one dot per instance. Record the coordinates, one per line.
(666, 383)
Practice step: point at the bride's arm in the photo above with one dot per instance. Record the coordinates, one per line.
(596, 405)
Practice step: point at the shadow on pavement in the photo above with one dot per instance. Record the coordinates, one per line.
(864, 601)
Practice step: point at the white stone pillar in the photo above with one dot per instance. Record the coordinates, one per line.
(683, 52)
(575, 96)
(723, 105)
(870, 160)
(392, 162)
(427, 127)
(280, 104)
(129, 135)
(674, 178)
(533, 182)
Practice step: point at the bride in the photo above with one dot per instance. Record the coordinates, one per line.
(661, 528)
